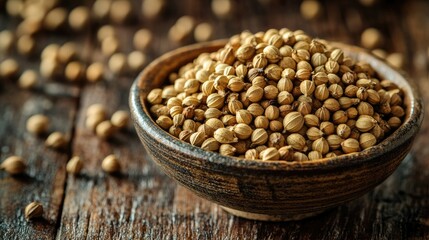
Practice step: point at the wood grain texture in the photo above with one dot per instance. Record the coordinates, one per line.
(144, 203)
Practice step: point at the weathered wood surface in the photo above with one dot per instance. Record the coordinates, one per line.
(142, 202)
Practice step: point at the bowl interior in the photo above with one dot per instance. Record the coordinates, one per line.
(157, 72)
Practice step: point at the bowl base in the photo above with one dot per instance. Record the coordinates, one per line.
(268, 217)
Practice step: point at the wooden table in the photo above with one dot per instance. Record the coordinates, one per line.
(142, 202)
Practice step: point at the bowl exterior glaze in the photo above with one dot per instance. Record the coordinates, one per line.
(271, 190)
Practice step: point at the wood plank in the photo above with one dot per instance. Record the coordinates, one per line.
(45, 175)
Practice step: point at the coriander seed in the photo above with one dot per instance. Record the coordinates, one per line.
(120, 119)
(74, 165)
(37, 124)
(105, 129)
(33, 211)
(56, 140)
(110, 164)
(13, 165)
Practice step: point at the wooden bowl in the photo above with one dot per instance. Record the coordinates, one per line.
(275, 191)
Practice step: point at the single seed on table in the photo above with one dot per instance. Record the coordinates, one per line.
(120, 119)
(79, 18)
(136, 60)
(120, 11)
(55, 19)
(50, 52)
(379, 53)
(28, 79)
(33, 211)
(50, 68)
(13, 165)
(105, 129)
(9, 68)
(371, 38)
(7, 39)
(118, 63)
(74, 71)
(37, 124)
(92, 121)
(152, 8)
(395, 59)
(56, 140)
(181, 29)
(94, 72)
(101, 9)
(74, 165)
(310, 9)
(96, 109)
(106, 31)
(203, 32)
(67, 52)
(111, 164)
(26, 45)
(109, 46)
(222, 8)
(142, 39)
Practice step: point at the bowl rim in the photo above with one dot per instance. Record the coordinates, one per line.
(406, 132)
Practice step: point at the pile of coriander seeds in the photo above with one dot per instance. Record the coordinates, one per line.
(278, 95)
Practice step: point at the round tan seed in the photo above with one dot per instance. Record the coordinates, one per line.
(37, 124)
(94, 72)
(120, 119)
(111, 164)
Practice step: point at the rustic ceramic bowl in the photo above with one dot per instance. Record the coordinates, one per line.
(277, 190)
